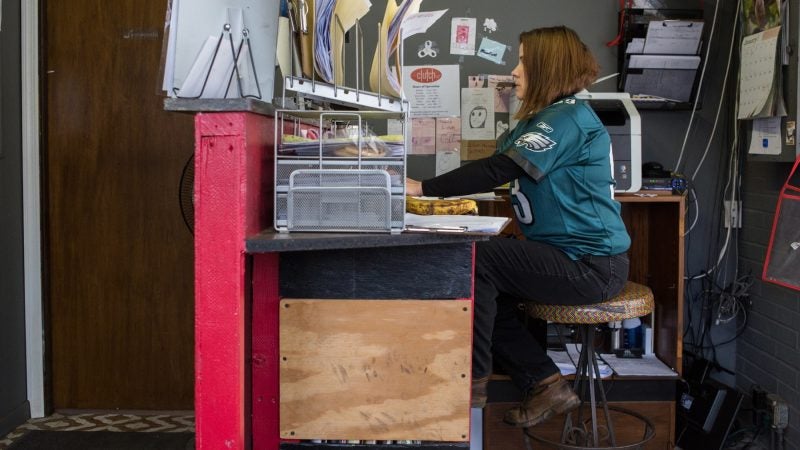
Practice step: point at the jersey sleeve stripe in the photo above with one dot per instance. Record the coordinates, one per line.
(529, 168)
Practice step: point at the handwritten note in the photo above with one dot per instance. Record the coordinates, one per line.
(448, 133)
(423, 136)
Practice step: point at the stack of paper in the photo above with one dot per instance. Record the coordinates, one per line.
(333, 18)
(567, 360)
(383, 78)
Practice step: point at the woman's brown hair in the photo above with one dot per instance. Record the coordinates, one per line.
(556, 64)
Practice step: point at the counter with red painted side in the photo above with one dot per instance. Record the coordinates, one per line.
(237, 282)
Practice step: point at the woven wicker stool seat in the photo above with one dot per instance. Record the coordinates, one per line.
(635, 300)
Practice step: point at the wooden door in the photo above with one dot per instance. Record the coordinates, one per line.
(118, 254)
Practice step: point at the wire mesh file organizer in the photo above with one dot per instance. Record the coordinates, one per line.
(334, 174)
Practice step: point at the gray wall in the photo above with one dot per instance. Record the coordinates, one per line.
(14, 407)
(768, 353)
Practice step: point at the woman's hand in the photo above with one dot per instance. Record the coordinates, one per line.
(413, 187)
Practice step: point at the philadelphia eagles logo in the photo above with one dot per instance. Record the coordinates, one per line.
(535, 142)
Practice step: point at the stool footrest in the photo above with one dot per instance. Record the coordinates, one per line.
(647, 435)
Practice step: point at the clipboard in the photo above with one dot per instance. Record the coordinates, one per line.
(455, 224)
(673, 37)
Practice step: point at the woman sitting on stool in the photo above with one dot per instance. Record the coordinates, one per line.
(558, 162)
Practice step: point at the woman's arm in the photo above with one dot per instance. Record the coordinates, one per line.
(482, 175)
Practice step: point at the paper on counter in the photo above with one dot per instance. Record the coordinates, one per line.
(474, 224)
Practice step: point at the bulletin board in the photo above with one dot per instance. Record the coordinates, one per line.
(500, 22)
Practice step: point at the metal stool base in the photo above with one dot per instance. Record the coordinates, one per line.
(587, 434)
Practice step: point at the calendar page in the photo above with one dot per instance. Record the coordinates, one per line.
(759, 83)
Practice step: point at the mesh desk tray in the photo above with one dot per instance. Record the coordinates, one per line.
(338, 200)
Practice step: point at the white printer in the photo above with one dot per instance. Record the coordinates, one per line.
(619, 115)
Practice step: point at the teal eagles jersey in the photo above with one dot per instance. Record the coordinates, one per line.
(568, 200)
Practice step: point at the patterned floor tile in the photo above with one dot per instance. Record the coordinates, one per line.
(109, 420)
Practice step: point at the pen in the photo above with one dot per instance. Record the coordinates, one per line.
(441, 229)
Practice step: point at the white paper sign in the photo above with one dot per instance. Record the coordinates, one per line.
(432, 91)
(420, 22)
(477, 120)
(765, 138)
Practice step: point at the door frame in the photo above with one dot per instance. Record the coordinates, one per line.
(31, 200)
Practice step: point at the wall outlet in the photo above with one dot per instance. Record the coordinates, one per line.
(779, 411)
(733, 214)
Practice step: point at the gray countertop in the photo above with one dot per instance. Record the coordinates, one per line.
(272, 241)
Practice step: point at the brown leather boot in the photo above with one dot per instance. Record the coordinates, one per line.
(550, 397)
(479, 394)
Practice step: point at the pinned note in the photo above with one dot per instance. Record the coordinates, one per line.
(462, 36)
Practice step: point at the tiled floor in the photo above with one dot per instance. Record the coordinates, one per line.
(105, 420)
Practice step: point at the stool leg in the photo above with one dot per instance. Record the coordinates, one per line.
(588, 343)
(604, 402)
(579, 387)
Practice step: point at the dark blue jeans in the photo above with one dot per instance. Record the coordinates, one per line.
(509, 272)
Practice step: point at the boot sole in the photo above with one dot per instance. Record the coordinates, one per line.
(573, 403)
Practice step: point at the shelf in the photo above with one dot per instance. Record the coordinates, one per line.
(343, 95)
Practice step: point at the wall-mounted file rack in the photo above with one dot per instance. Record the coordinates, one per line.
(333, 174)
(655, 66)
(337, 92)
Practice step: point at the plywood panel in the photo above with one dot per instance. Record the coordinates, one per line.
(375, 369)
